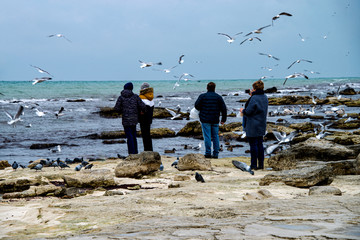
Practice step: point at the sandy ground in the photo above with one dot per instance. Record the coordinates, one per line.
(215, 209)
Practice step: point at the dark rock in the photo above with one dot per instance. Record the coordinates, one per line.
(114, 141)
(16, 185)
(340, 124)
(43, 145)
(162, 133)
(75, 100)
(4, 164)
(109, 112)
(348, 91)
(343, 141)
(112, 134)
(191, 129)
(340, 167)
(290, 100)
(194, 161)
(271, 90)
(303, 127)
(136, 165)
(310, 150)
(234, 126)
(303, 177)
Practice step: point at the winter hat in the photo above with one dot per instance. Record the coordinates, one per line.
(144, 86)
(129, 86)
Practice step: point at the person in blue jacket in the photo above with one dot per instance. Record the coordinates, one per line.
(210, 105)
(130, 106)
(254, 123)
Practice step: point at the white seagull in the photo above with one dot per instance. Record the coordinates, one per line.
(295, 75)
(174, 114)
(148, 64)
(270, 56)
(250, 39)
(16, 118)
(41, 70)
(298, 61)
(185, 75)
(39, 80)
(40, 113)
(166, 70)
(60, 112)
(280, 14)
(301, 37)
(258, 31)
(59, 35)
(230, 39)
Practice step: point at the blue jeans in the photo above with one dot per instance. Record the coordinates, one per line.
(130, 133)
(256, 152)
(211, 133)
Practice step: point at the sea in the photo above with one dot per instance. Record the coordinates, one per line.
(82, 101)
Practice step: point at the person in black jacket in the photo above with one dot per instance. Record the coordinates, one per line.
(147, 96)
(130, 106)
(210, 105)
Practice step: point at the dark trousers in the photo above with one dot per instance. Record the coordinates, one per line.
(146, 137)
(257, 152)
(130, 133)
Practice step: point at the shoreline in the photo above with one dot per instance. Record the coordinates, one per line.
(227, 205)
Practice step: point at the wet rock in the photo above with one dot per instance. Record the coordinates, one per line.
(348, 91)
(353, 103)
(303, 127)
(114, 141)
(343, 141)
(324, 190)
(300, 177)
(191, 129)
(271, 90)
(4, 164)
(357, 164)
(290, 100)
(112, 134)
(87, 179)
(194, 161)
(234, 126)
(162, 133)
(43, 145)
(341, 124)
(312, 149)
(109, 112)
(76, 100)
(160, 112)
(136, 165)
(301, 137)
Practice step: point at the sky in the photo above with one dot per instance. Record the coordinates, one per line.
(109, 37)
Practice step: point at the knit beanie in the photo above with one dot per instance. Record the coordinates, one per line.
(129, 86)
(144, 86)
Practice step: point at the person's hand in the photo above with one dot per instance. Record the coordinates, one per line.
(241, 111)
(222, 123)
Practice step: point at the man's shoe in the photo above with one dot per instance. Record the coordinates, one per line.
(207, 156)
(216, 157)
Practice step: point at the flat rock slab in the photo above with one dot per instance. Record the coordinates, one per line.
(90, 179)
(302, 177)
(194, 161)
(324, 190)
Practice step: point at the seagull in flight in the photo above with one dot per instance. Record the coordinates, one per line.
(301, 37)
(250, 39)
(270, 56)
(181, 60)
(298, 61)
(39, 80)
(230, 39)
(166, 70)
(16, 118)
(59, 113)
(59, 35)
(148, 64)
(280, 14)
(41, 70)
(295, 75)
(258, 31)
(185, 75)
(174, 114)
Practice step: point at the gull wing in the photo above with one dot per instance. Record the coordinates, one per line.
(225, 35)
(171, 112)
(306, 60)
(257, 38)
(244, 41)
(20, 111)
(275, 58)
(292, 64)
(285, 13)
(8, 114)
(61, 110)
(278, 135)
(264, 27)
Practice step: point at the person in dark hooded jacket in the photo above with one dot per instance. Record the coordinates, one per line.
(130, 106)
(254, 123)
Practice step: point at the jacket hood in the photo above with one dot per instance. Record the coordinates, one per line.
(126, 93)
(147, 93)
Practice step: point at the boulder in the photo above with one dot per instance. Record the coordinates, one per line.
(340, 167)
(162, 133)
(341, 124)
(160, 112)
(303, 127)
(90, 179)
(17, 185)
(4, 164)
(300, 177)
(109, 112)
(43, 145)
(324, 190)
(348, 91)
(290, 100)
(112, 134)
(271, 90)
(234, 126)
(312, 149)
(136, 165)
(191, 129)
(194, 161)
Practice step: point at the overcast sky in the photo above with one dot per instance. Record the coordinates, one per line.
(109, 37)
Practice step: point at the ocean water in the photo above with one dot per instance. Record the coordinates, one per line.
(81, 118)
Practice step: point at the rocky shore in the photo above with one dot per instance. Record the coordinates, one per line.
(309, 189)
